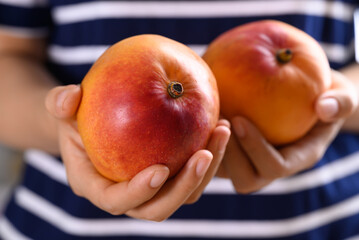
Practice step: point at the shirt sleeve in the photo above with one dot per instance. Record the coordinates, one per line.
(25, 18)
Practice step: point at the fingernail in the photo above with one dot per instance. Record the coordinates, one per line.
(158, 178)
(238, 127)
(61, 99)
(202, 166)
(329, 107)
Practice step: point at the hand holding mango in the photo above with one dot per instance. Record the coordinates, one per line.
(271, 73)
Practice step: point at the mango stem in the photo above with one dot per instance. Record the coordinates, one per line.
(284, 55)
(175, 89)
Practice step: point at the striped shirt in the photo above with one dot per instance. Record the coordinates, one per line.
(319, 203)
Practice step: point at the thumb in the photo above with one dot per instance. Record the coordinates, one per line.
(62, 102)
(338, 102)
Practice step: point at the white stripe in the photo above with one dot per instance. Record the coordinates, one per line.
(338, 53)
(8, 232)
(24, 32)
(184, 228)
(24, 3)
(89, 54)
(198, 48)
(75, 55)
(46, 164)
(353, 238)
(315, 178)
(199, 9)
(220, 186)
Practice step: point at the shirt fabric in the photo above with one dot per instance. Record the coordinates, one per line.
(319, 203)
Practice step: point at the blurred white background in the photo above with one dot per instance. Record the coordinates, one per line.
(10, 170)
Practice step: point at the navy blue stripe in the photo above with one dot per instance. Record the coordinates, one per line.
(24, 17)
(188, 30)
(36, 228)
(341, 229)
(344, 143)
(69, 2)
(344, 228)
(354, 2)
(69, 74)
(338, 66)
(61, 195)
(270, 207)
(238, 207)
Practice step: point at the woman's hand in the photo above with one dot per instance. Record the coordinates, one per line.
(252, 163)
(149, 195)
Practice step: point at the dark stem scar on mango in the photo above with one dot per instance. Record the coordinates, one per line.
(175, 89)
(284, 55)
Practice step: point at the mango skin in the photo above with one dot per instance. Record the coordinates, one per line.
(126, 118)
(279, 98)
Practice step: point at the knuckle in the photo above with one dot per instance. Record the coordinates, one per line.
(278, 172)
(315, 151)
(159, 218)
(254, 185)
(112, 210)
(300, 161)
(278, 169)
(317, 154)
(243, 188)
(77, 192)
(193, 199)
(155, 217)
(75, 189)
(109, 207)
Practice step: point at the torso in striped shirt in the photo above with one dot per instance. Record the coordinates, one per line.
(320, 203)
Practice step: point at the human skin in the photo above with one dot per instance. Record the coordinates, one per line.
(252, 163)
(271, 73)
(36, 113)
(27, 124)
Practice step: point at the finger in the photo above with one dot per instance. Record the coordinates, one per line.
(221, 172)
(267, 160)
(176, 191)
(238, 167)
(217, 146)
(120, 197)
(309, 149)
(338, 102)
(115, 198)
(224, 122)
(85, 181)
(63, 101)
